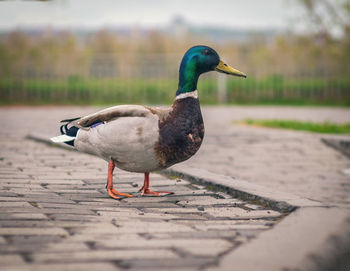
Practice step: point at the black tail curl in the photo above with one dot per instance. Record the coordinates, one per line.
(71, 131)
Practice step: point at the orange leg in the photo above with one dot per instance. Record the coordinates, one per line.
(146, 191)
(112, 192)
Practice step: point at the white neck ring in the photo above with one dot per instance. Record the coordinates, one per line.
(192, 94)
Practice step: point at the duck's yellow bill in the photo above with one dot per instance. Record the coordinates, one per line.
(224, 68)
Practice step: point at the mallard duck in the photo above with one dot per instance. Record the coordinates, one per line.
(143, 139)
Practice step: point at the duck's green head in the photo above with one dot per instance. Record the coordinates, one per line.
(197, 60)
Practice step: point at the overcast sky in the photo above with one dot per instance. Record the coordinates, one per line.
(150, 13)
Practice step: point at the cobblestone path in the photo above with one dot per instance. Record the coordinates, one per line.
(56, 215)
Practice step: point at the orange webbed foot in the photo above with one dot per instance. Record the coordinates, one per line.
(112, 192)
(146, 191)
(155, 193)
(117, 195)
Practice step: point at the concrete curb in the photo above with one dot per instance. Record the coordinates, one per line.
(313, 236)
(279, 201)
(342, 145)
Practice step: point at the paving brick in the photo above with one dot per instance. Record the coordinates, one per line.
(7, 194)
(66, 246)
(158, 181)
(46, 198)
(23, 216)
(56, 180)
(75, 187)
(212, 234)
(230, 222)
(74, 217)
(71, 211)
(63, 266)
(135, 204)
(28, 185)
(165, 199)
(201, 247)
(2, 240)
(104, 255)
(241, 213)
(132, 237)
(12, 210)
(26, 193)
(208, 201)
(116, 214)
(184, 264)
(76, 191)
(10, 259)
(228, 211)
(104, 202)
(178, 210)
(20, 249)
(32, 231)
(84, 197)
(17, 203)
(232, 227)
(26, 223)
(127, 226)
(7, 199)
(117, 211)
(253, 206)
(227, 225)
(204, 251)
(102, 228)
(44, 205)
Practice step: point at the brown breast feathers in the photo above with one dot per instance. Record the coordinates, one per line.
(180, 133)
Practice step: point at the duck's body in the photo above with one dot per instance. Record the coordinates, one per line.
(128, 141)
(143, 139)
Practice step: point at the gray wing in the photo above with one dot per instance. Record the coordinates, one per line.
(112, 113)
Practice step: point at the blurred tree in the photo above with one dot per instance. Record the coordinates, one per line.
(14, 50)
(328, 16)
(104, 47)
(330, 21)
(104, 42)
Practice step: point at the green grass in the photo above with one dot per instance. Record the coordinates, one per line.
(324, 127)
(271, 90)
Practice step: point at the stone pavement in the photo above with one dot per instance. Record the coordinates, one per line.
(55, 211)
(287, 161)
(56, 215)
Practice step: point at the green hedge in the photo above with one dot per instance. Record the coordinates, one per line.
(273, 89)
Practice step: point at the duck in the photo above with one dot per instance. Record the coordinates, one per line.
(142, 138)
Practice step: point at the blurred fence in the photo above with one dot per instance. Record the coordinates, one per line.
(152, 79)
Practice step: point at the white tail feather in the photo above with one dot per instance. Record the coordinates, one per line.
(62, 138)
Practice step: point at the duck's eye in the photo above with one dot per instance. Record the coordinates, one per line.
(205, 52)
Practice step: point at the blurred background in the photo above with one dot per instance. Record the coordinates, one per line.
(110, 52)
